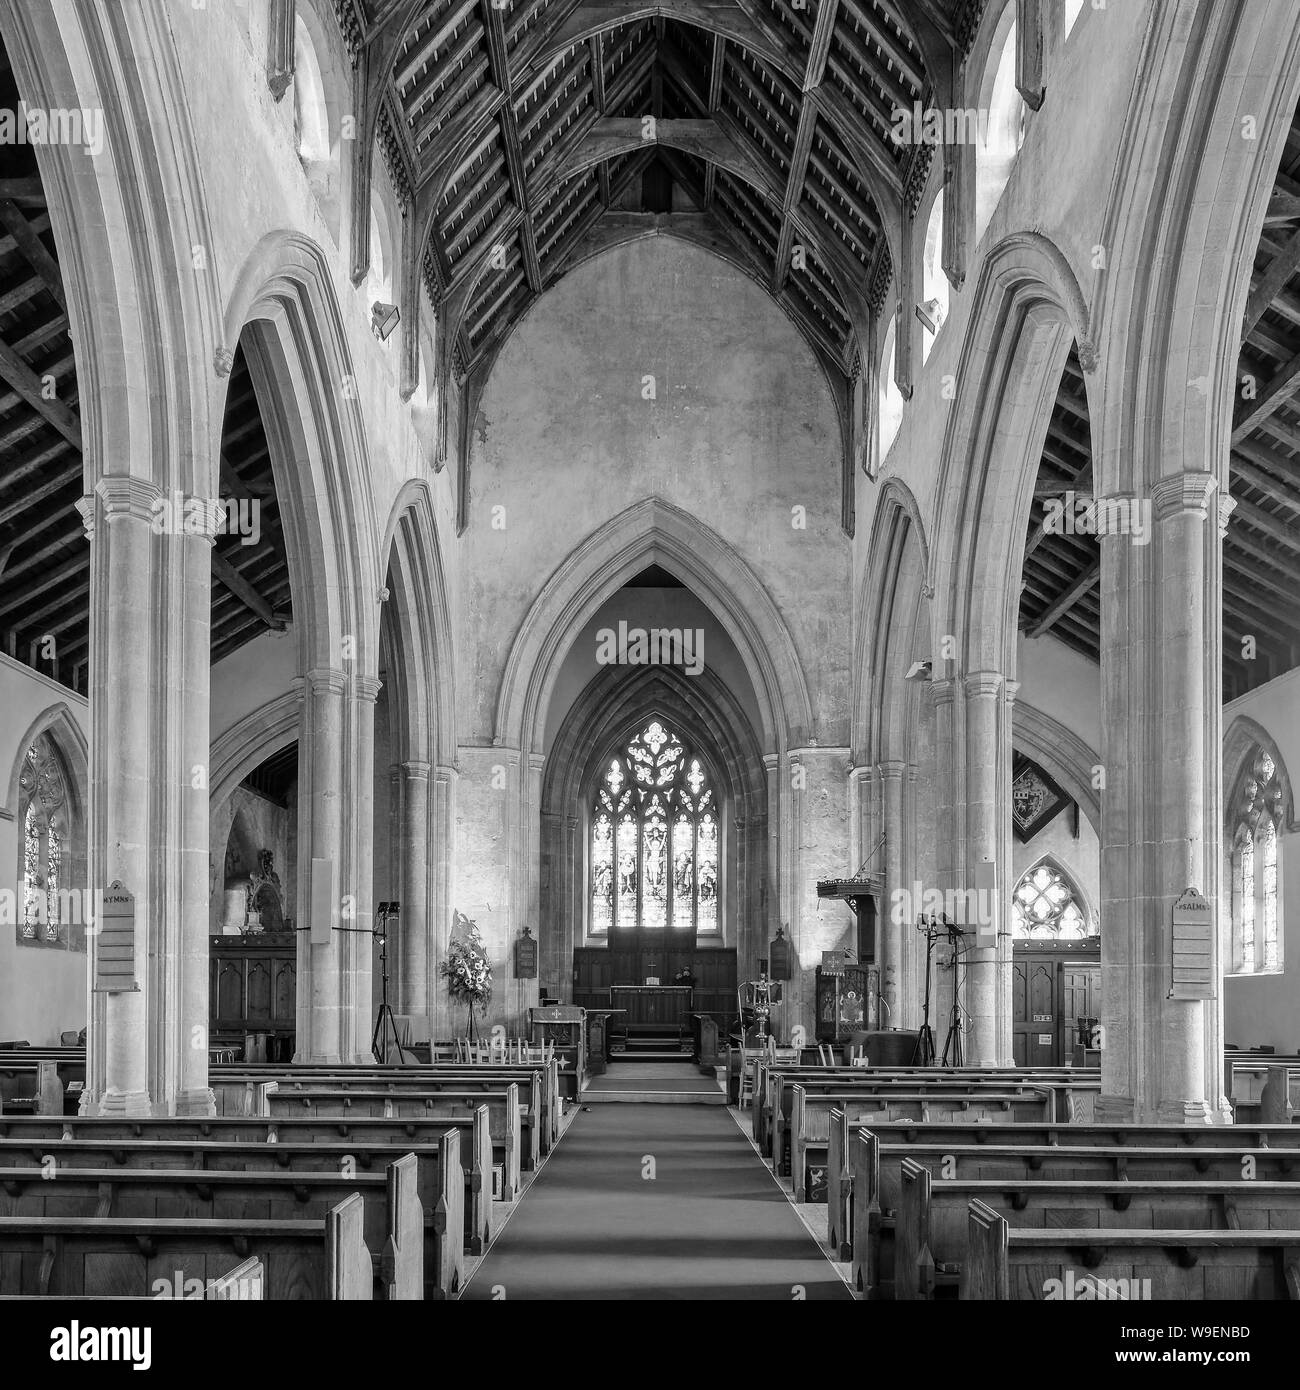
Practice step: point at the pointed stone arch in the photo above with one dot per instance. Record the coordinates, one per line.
(654, 532)
(1059, 751)
(61, 725)
(1244, 736)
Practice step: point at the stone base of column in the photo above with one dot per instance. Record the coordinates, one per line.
(135, 1104)
(1114, 1110)
(1185, 1112)
(199, 1101)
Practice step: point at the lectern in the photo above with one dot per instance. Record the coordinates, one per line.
(564, 1025)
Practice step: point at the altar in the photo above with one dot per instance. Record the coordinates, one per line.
(654, 1008)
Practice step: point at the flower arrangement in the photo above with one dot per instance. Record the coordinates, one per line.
(685, 976)
(467, 970)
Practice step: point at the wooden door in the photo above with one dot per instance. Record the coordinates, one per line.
(1035, 1038)
(1080, 998)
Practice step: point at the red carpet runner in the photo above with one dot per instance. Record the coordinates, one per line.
(660, 1202)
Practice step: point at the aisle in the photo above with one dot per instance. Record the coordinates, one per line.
(711, 1223)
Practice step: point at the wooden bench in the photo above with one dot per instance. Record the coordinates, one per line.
(412, 1133)
(94, 1256)
(1265, 1093)
(810, 1120)
(444, 1185)
(875, 1158)
(268, 1194)
(246, 1282)
(539, 1087)
(931, 1229)
(31, 1088)
(1013, 1264)
(505, 1122)
(1074, 1092)
(1025, 1163)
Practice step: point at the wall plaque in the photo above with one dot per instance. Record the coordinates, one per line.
(1193, 947)
(115, 942)
(526, 957)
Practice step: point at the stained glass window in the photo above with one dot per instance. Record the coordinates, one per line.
(654, 839)
(43, 792)
(1044, 908)
(1256, 808)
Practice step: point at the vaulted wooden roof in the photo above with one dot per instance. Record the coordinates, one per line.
(529, 134)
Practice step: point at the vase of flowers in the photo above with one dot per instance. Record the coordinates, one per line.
(467, 970)
(685, 976)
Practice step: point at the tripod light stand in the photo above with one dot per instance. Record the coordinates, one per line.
(925, 1039)
(385, 1033)
(952, 1043)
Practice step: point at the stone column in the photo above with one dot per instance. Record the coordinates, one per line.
(320, 836)
(892, 924)
(413, 995)
(986, 807)
(122, 747)
(193, 1095)
(148, 804)
(358, 1002)
(1161, 824)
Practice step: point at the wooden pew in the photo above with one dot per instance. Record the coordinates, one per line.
(94, 1256)
(447, 1194)
(810, 1120)
(395, 1216)
(1074, 1090)
(1265, 1093)
(31, 1088)
(1013, 1264)
(1168, 1152)
(363, 1130)
(504, 1119)
(234, 1086)
(246, 1282)
(932, 1223)
(1016, 1162)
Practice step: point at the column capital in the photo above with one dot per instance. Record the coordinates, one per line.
(981, 684)
(415, 770)
(944, 690)
(1227, 505)
(366, 688)
(1184, 492)
(121, 495)
(891, 769)
(325, 680)
(1010, 689)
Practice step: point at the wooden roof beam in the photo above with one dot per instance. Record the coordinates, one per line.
(28, 385)
(1280, 269)
(16, 223)
(226, 574)
(1066, 601)
(1252, 413)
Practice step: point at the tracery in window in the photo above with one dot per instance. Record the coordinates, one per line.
(1256, 809)
(1044, 908)
(44, 797)
(654, 839)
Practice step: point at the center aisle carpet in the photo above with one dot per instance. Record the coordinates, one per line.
(710, 1222)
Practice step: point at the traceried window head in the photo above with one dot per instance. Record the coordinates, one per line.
(1044, 908)
(654, 839)
(43, 795)
(1256, 810)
